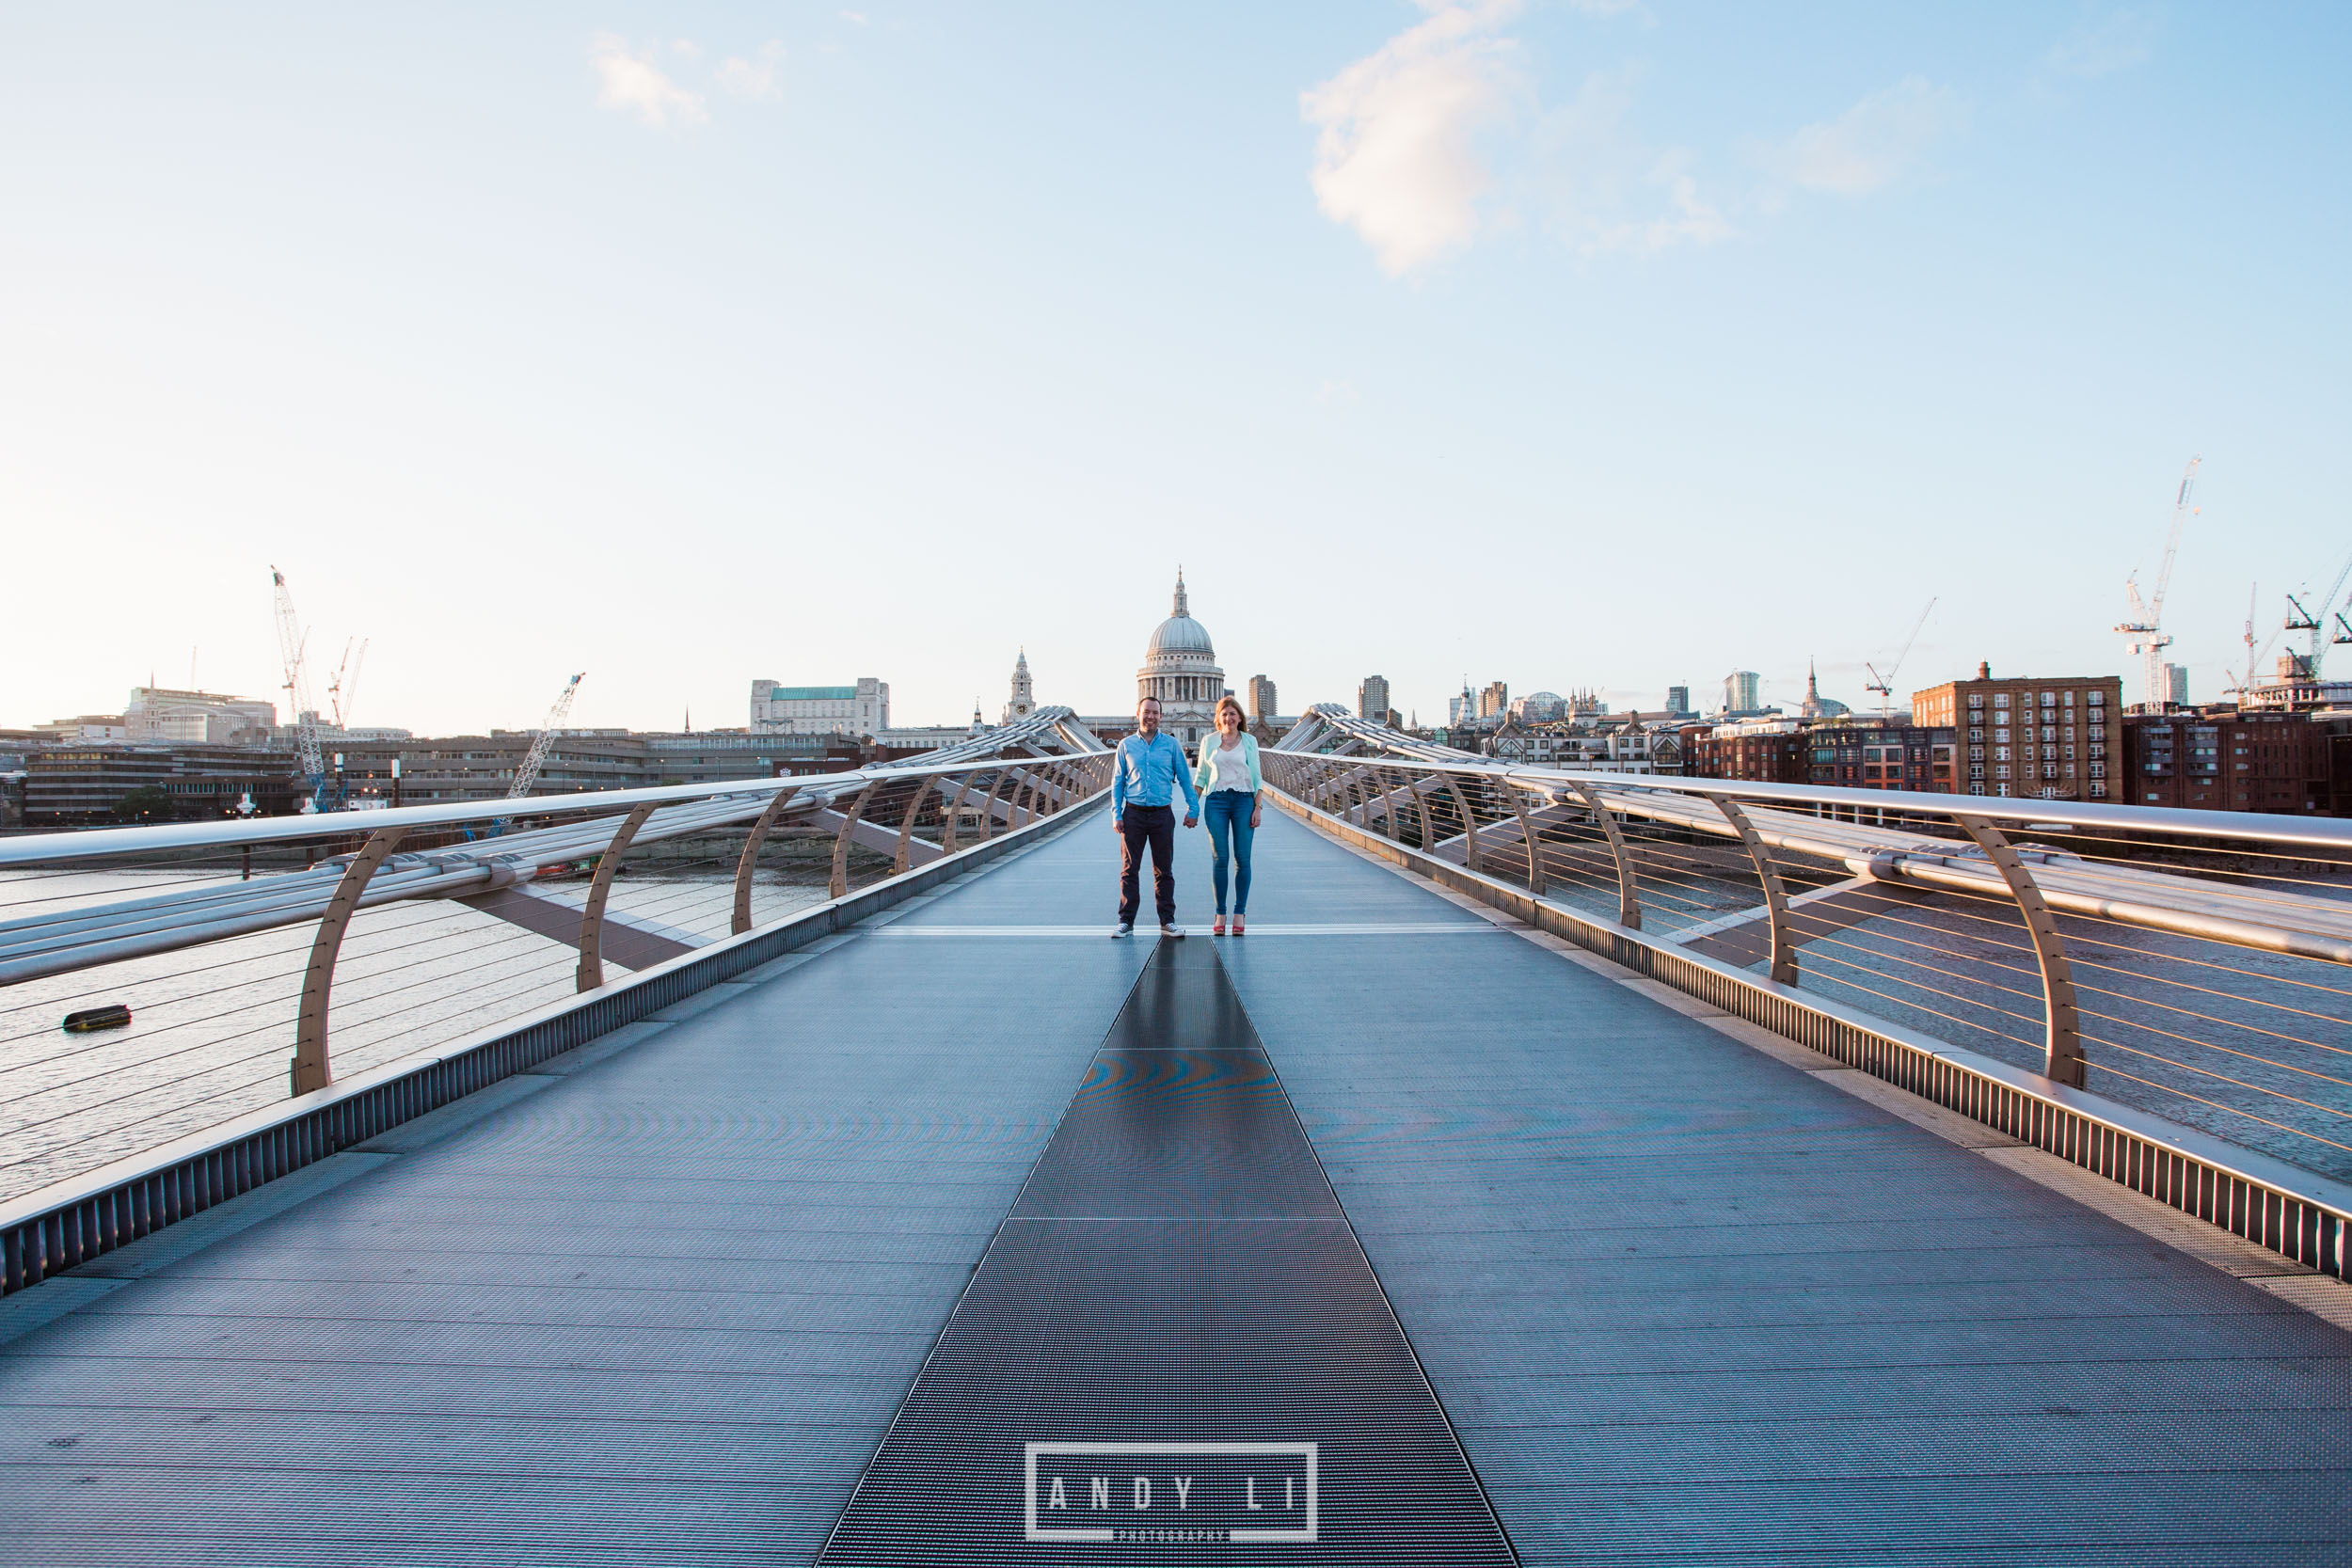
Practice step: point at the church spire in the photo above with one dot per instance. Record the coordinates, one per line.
(1180, 593)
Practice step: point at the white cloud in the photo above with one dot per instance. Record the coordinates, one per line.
(1603, 190)
(754, 77)
(1688, 220)
(1398, 158)
(633, 84)
(1437, 137)
(1871, 144)
(2116, 41)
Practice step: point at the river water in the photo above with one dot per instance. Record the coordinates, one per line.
(213, 1027)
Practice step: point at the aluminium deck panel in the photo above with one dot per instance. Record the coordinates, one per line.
(1687, 1303)
(661, 1310)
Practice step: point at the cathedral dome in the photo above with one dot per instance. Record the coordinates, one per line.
(1180, 670)
(1180, 633)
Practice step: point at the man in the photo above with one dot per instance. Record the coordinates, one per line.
(1148, 770)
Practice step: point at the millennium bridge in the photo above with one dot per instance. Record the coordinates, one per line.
(1566, 1167)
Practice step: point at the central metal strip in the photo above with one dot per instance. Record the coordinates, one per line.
(1174, 1348)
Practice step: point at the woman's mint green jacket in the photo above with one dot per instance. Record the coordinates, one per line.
(1204, 771)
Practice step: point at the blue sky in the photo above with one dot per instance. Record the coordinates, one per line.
(1574, 344)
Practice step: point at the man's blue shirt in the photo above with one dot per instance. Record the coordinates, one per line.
(1150, 772)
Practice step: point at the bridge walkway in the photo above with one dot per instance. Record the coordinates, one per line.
(1680, 1301)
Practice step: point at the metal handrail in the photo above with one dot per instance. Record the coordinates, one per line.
(42, 941)
(1933, 906)
(2315, 831)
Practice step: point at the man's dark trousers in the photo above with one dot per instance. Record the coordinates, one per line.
(1155, 825)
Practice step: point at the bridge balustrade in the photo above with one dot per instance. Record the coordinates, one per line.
(296, 985)
(2159, 995)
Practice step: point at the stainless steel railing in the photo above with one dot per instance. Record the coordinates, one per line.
(2192, 964)
(260, 958)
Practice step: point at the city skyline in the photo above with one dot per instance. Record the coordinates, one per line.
(683, 349)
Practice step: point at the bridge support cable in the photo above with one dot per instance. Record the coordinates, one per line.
(2063, 1018)
(310, 1068)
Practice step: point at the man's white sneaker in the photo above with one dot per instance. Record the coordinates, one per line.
(1176, 931)
(1124, 928)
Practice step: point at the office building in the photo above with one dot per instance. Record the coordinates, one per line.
(1743, 694)
(1261, 701)
(156, 713)
(860, 709)
(1371, 698)
(80, 786)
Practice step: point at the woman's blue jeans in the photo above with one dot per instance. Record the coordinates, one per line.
(1227, 813)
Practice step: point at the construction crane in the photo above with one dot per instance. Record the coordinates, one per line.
(292, 639)
(2315, 621)
(2144, 630)
(1884, 685)
(343, 692)
(2245, 682)
(527, 774)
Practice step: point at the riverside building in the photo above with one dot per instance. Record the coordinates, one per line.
(860, 709)
(2051, 737)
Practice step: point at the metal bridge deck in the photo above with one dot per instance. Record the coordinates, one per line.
(662, 1302)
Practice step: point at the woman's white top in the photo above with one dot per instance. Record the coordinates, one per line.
(1231, 763)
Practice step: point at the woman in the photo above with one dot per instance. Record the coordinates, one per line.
(1227, 777)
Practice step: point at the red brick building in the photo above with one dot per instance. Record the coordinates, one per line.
(2289, 763)
(1778, 757)
(2057, 737)
(1882, 756)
